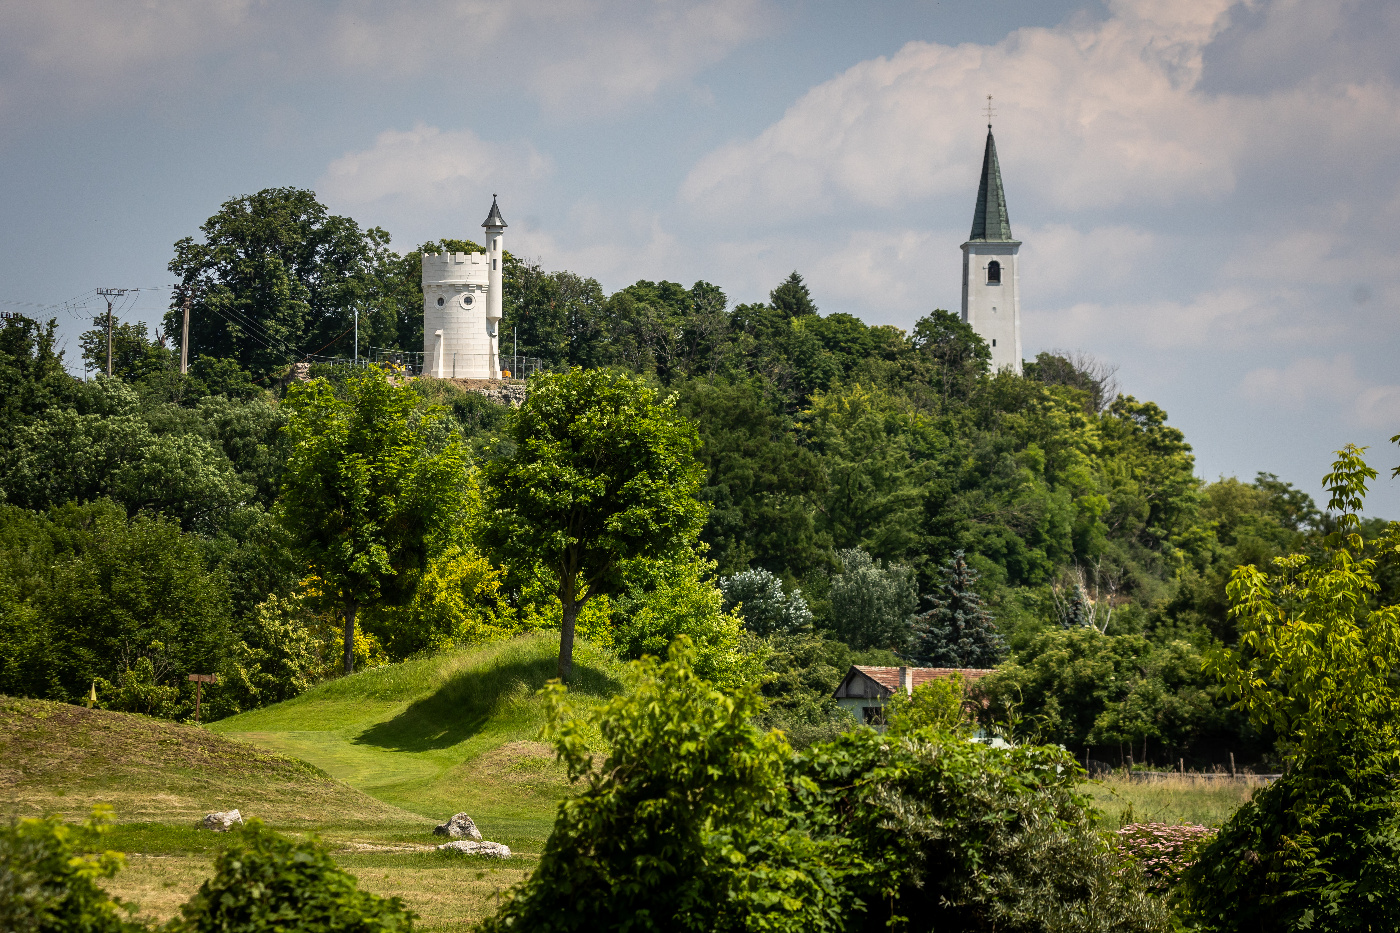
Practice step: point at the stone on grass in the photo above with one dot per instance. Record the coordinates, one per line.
(486, 849)
(222, 822)
(459, 827)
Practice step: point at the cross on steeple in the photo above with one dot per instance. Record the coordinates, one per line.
(990, 112)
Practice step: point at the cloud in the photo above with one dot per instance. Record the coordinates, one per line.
(427, 166)
(578, 57)
(1091, 115)
(1309, 381)
(1104, 113)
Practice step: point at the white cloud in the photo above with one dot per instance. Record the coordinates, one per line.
(578, 57)
(427, 166)
(1310, 380)
(1101, 113)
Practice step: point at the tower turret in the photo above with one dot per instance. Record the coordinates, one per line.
(991, 289)
(462, 309)
(495, 226)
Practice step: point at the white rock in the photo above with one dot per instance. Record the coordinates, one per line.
(223, 821)
(487, 849)
(459, 827)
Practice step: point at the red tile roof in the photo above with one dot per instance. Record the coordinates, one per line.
(888, 677)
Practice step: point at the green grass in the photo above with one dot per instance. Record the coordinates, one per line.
(453, 732)
(369, 763)
(1171, 799)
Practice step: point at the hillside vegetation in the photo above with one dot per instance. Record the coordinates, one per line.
(438, 735)
(60, 758)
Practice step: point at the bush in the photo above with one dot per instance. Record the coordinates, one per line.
(49, 875)
(681, 827)
(961, 836)
(265, 883)
(1163, 851)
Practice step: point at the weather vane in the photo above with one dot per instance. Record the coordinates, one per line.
(990, 112)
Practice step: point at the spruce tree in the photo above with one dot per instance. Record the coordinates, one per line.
(958, 631)
(792, 297)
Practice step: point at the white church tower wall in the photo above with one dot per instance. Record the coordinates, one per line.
(991, 280)
(462, 308)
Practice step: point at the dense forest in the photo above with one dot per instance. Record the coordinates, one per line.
(871, 495)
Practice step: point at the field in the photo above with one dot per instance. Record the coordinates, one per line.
(371, 763)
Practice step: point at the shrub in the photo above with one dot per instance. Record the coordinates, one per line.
(1163, 851)
(265, 883)
(961, 836)
(681, 827)
(49, 875)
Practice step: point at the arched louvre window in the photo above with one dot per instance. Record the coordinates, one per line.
(993, 273)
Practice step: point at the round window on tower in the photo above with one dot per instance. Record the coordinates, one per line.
(468, 301)
(441, 301)
(993, 273)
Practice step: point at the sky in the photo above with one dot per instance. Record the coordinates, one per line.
(1208, 192)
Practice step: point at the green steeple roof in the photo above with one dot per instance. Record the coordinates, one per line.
(989, 221)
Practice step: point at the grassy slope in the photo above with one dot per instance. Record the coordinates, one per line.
(453, 732)
(60, 758)
(369, 762)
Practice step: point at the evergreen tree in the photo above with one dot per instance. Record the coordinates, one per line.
(958, 631)
(873, 602)
(792, 297)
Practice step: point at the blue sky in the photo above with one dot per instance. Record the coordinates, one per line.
(1208, 192)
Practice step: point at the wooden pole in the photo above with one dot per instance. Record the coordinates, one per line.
(185, 340)
(1232, 764)
(199, 681)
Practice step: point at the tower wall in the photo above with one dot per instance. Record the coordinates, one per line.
(994, 310)
(457, 342)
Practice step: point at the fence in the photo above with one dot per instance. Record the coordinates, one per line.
(455, 365)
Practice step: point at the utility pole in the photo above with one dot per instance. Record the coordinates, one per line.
(185, 340)
(109, 294)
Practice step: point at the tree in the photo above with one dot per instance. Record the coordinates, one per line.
(278, 276)
(681, 827)
(603, 472)
(766, 609)
(958, 631)
(792, 297)
(872, 603)
(959, 354)
(1316, 661)
(372, 483)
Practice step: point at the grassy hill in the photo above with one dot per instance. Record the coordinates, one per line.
(56, 758)
(369, 762)
(452, 732)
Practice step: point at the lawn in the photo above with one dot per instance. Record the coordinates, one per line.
(370, 763)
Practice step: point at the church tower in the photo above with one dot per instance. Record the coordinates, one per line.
(991, 284)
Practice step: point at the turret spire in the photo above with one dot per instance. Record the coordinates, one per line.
(494, 219)
(989, 220)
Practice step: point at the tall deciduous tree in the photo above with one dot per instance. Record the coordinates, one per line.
(278, 276)
(372, 482)
(603, 472)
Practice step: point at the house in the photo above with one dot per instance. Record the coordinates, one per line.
(865, 690)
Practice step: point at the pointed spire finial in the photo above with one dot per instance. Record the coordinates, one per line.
(494, 219)
(990, 112)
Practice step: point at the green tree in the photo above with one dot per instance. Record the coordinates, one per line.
(1316, 660)
(959, 355)
(958, 631)
(266, 883)
(50, 874)
(680, 827)
(873, 603)
(603, 472)
(792, 297)
(277, 277)
(372, 482)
